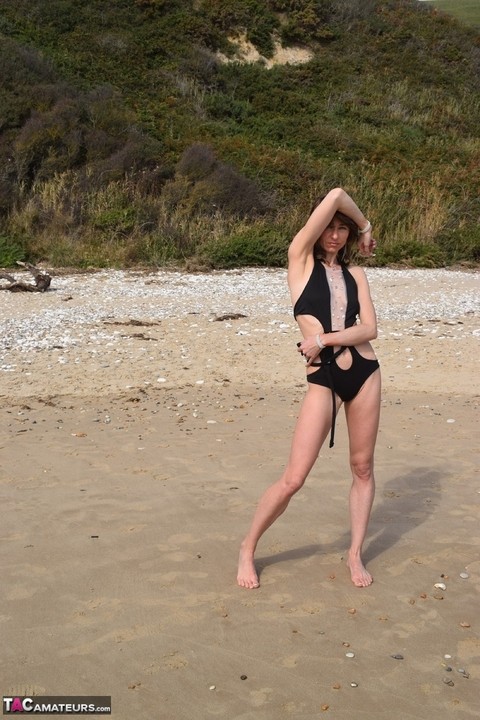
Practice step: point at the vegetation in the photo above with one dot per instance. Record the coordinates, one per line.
(125, 139)
(466, 10)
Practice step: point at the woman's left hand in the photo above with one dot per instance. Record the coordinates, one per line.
(367, 244)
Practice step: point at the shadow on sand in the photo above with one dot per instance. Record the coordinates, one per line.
(402, 504)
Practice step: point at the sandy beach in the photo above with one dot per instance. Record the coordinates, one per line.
(142, 416)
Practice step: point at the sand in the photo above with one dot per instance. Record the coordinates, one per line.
(139, 427)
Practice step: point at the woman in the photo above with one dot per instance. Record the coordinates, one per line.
(336, 317)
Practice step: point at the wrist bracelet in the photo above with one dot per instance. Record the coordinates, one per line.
(319, 342)
(367, 227)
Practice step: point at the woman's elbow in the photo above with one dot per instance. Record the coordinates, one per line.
(370, 331)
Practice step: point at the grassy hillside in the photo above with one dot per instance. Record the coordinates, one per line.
(125, 139)
(468, 11)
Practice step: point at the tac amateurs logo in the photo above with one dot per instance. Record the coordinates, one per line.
(57, 705)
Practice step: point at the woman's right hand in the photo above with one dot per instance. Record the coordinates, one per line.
(309, 349)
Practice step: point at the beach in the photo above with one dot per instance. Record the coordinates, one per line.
(143, 414)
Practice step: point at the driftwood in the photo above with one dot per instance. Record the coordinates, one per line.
(136, 323)
(42, 280)
(229, 316)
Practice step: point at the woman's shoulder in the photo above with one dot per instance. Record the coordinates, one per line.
(357, 271)
(359, 276)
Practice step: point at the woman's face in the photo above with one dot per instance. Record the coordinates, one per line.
(334, 237)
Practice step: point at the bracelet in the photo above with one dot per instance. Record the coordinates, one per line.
(319, 342)
(367, 227)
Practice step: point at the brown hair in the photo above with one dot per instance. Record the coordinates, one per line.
(346, 252)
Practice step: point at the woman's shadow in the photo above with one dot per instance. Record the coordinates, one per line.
(404, 503)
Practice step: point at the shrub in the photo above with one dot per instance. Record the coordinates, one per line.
(254, 16)
(462, 243)
(218, 186)
(10, 251)
(197, 162)
(412, 253)
(257, 245)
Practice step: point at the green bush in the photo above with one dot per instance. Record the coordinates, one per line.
(461, 244)
(258, 245)
(215, 185)
(120, 220)
(10, 252)
(412, 253)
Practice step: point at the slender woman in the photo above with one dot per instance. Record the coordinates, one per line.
(336, 317)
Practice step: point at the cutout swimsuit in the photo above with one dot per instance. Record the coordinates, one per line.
(335, 300)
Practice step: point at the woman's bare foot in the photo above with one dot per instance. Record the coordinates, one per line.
(247, 575)
(359, 574)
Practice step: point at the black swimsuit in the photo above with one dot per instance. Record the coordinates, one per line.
(315, 300)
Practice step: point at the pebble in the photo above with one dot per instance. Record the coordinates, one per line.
(447, 681)
(397, 657)
(166, 293)
(440, 586)
(464, 575)
(447, 657)
(212, 687)
(353, 684)
(350, 654)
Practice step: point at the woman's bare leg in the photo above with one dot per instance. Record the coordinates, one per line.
(362, 415)
(311, 430)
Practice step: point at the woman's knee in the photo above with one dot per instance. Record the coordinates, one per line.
(362, 468)
(292, 482)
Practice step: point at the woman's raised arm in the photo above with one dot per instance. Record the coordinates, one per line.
(336, 200)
